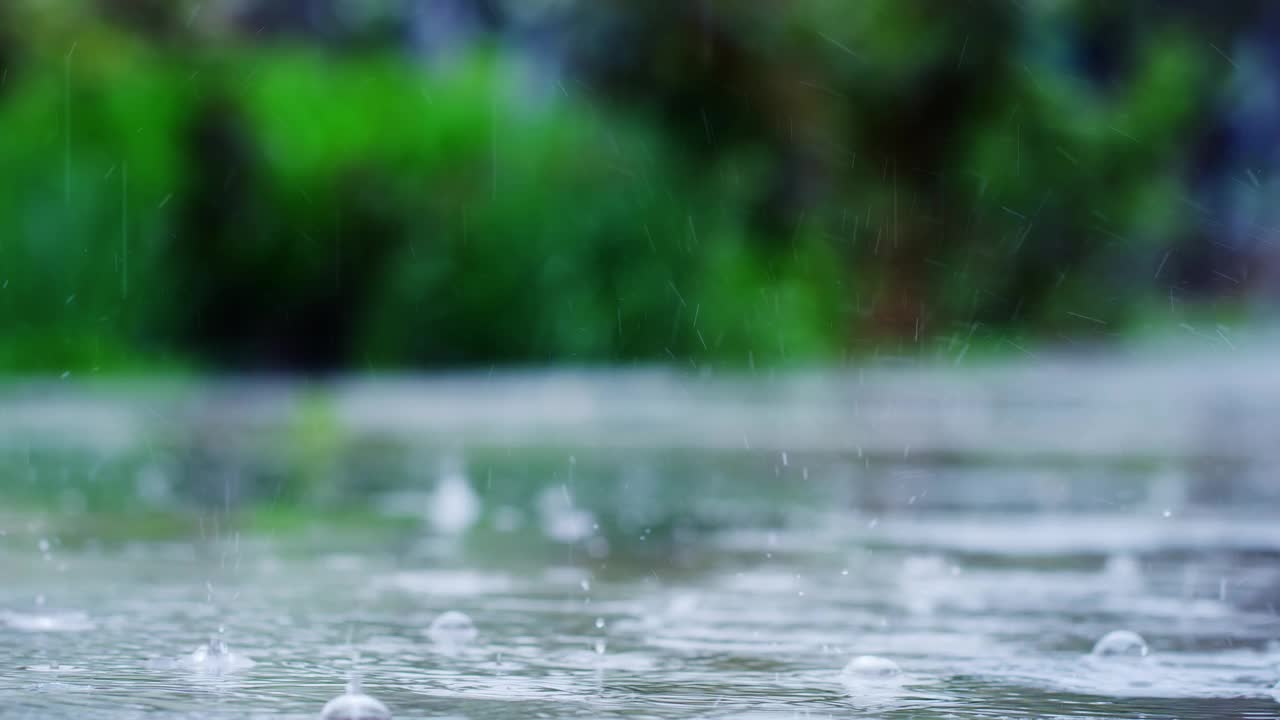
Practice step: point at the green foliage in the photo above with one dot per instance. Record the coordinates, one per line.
(89, 145)
(764, 189)
(1078, 191)
(512, 231)
(445, 218)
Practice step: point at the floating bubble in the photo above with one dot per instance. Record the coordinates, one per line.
(452, 628)
(1121, 643)
(454, 505)
(873, 681)
(354, 705)
(871, 667)
(562, 521)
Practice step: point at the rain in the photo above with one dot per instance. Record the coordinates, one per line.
(496, 359)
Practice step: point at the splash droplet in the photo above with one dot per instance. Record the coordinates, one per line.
(216, 657)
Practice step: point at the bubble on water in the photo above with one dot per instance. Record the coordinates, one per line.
(354, 705)
(873, 681)
(1121, 643)
(454, 505)
(452, 629)
(871, 667)
(562, 521)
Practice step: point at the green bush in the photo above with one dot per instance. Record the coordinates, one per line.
(792, 185)
(384, 214)
(91, 165)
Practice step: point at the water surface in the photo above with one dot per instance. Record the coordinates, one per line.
(647, 546)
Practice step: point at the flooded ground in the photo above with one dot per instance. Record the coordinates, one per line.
(647, 545)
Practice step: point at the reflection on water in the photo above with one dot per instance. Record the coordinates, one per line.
(498, 569)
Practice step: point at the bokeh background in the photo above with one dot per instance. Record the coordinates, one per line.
(691, 347)
(346, 185)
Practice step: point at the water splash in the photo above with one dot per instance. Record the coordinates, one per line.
(562, 520)
(216, 657)
(354, 705)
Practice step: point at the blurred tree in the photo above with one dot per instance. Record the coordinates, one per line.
(964, 173)
(328, 183)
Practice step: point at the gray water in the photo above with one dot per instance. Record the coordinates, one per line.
(645, 545)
